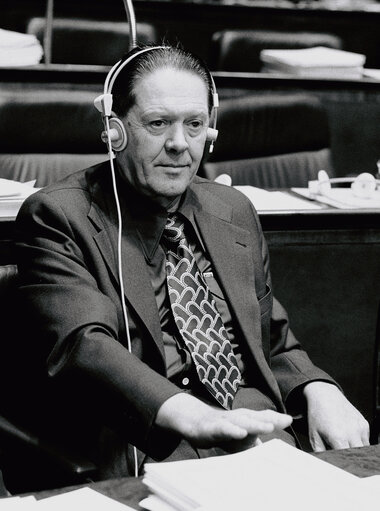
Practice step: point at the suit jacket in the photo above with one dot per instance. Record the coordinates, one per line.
(67, 257)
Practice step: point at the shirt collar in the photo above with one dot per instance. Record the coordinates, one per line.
(149, 218)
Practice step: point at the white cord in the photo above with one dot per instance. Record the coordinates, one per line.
(119, 259)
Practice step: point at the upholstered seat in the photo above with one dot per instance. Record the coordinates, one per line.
(271, 140)
(92, 42)
(239, 50)
(46, 134)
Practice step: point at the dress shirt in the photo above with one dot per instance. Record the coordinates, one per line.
(149, 221)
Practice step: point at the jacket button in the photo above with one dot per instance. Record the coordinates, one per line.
(185, 382)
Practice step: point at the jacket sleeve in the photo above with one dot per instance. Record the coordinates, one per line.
(289, 363)
(74, 325)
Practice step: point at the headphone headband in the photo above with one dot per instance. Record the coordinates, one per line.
(121, 64)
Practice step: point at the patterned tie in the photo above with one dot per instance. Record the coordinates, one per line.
(197, 317)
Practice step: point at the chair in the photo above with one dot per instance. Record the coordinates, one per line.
(28, 461)
(239, 50)
(46, 134)
(90, 42)
(271, 140)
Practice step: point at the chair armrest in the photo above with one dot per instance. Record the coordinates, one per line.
(73, 464)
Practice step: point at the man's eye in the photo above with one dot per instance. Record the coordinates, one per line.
(159, 123)
(196, 124)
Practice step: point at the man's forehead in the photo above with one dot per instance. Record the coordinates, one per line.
(170, 88)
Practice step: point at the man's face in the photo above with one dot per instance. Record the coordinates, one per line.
(166, 130)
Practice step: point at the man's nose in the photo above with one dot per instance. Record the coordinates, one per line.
(176, 140)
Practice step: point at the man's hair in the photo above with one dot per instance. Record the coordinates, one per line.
(167, 57)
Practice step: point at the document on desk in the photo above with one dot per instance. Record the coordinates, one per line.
(342, 198)
(82, 499)
(265, 200)
(273, 475)
(13, 194)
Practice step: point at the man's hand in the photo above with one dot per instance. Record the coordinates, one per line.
(333, 421)
(205, 426)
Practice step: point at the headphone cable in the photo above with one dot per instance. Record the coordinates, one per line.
(119, 259)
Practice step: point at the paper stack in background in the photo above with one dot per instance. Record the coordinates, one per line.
(314, 62)
(12, 195)
(17, 49)
(273, 475)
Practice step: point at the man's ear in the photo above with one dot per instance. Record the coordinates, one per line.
(117, 134)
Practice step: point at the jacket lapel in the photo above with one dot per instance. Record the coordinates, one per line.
(137, 284)
(230, 249)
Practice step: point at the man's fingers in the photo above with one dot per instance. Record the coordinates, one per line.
(237, 424)
(317, 443)
(279, 420)
(222, 429)
(266, 420)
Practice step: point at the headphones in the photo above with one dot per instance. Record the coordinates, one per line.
(363, 186)
(114, 128)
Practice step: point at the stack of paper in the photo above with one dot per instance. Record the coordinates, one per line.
(12, 195)
(82, 499)
(314, 62)
(341, 198)
(273, 475)
(17, 49)
(265, 200)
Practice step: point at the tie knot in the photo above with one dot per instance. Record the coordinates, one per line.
(174, 229)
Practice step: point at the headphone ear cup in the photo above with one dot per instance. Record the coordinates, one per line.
(212, 134)
(118, 134)
(121, 141)
(364, 186)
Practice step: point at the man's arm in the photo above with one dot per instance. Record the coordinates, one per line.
(74, 327)
(333, 422)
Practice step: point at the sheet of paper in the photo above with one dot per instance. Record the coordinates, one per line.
(82, 499)
(18, 504)
(314, 57)
(342, 198)
(155, 503)
(272, 475)
(18, 49)
(9, 188)
(264, 200)
(372, 73)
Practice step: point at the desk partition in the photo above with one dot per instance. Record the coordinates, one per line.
(326, 272)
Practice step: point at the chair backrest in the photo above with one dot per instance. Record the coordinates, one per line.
(91, 42)
(271, 140)
(46, 134)
(239, 50)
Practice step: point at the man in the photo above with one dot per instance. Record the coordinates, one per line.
(150, 385)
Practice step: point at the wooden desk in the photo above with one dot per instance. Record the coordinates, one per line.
(362, 462)
(326, 272)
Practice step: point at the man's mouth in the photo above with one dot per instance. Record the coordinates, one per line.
(174, 165)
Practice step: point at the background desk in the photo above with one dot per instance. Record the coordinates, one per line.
(326, 272)
(362, 462)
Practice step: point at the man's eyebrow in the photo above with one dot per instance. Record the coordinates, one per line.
(163, 112)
